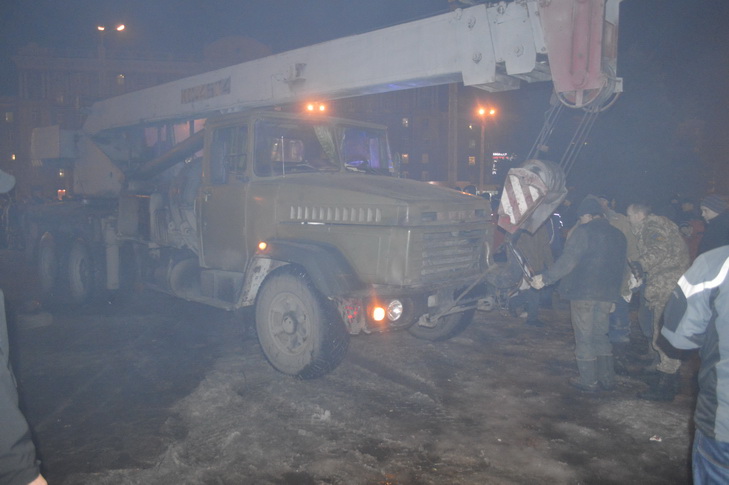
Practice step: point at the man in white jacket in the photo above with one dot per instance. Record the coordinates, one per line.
(697, 317)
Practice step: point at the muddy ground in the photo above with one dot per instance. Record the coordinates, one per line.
(161, 391)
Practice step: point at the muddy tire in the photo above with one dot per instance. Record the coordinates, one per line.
(80, 273)
(48, 268)
(299, 333)
(447, 327)
(129, 268)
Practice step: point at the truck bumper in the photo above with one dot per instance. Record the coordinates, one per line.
(384, 309)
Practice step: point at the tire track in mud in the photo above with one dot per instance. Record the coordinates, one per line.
(385, 371)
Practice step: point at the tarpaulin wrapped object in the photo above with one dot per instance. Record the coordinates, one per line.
(531, 194)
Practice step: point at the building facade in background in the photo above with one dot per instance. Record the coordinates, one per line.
(57, 88)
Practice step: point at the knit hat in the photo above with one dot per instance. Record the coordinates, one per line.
(715, 203)
(589, 205)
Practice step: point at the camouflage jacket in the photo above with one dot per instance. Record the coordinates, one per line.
(663, 254)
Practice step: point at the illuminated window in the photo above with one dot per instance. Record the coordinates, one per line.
(12, 156)
(120, 79)
(406, 122)
(472, 160)
(405, 158)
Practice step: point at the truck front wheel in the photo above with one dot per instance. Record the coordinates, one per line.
(299, 334)
(447, 327)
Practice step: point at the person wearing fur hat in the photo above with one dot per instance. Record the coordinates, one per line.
(590, 271)
(716, 233)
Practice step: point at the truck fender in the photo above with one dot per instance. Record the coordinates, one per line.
(329, 271)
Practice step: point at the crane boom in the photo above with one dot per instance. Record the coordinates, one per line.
(490, 47)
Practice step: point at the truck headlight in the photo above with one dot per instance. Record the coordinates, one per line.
(394, 310)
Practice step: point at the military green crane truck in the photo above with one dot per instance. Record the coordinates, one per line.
(199, 189)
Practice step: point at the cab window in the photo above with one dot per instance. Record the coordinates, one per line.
(228, 154)
(289, 147)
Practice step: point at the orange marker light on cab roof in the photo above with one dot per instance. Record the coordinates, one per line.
(314, 107)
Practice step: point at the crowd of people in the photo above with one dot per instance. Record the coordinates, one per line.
(674, 269)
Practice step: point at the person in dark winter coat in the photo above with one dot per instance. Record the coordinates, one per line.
(619, 319)
(697, 317)
(714, 211)
(18, 463)
(590, 272)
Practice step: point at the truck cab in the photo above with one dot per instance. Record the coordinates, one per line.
(271, 197)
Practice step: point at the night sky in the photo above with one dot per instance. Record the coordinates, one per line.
(667, 134)
(187, 25)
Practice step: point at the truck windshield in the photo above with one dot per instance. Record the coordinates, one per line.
(286, 146)
(365, 150)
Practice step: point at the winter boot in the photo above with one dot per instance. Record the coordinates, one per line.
(620, 358)
(650, 356)
(664, 389)
(587, 381)
(606, 372)
(652, 367)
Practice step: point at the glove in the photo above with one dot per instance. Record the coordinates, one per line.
(634, 283)
(537, 282)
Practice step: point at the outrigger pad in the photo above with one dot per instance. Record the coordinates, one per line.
(531, 194)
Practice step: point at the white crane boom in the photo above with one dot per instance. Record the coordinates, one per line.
(491, 47)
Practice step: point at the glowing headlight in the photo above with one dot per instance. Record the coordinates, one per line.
(394, 310)
(378, 313)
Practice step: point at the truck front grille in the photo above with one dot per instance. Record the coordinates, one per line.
(450, 253)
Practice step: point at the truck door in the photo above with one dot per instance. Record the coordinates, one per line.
(222, 200)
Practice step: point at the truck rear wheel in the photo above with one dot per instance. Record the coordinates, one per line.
(48, 267)
(80, 273)
(447, 327)
(299, 334)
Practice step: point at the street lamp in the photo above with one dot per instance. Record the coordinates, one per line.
(484, 113)
(102, 32)
(102, 56)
